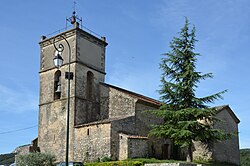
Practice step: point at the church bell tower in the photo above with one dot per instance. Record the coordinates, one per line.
(87, 64)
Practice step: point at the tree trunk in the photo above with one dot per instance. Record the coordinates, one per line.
(189, 154)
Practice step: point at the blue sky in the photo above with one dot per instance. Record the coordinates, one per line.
(138, 32)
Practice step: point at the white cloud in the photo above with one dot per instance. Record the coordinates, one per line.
(17, 100)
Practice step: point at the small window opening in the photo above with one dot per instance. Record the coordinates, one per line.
(88, 132)
(90, 85)
(57, 85)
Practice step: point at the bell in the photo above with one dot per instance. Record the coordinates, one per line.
(73, 19)
(58, 90)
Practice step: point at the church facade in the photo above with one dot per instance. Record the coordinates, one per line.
(105, 120)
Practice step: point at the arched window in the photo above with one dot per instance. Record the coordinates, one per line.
(90, 85)
(57, 85)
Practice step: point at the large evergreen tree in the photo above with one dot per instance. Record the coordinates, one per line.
(187, 118)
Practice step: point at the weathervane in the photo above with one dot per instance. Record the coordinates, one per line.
(74, 19)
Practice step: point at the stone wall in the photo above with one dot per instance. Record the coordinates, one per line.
(47, 50)
(81, 82)
(91, 50)
(132, 146)
(222, 151)
(114, 103)
(202, 151)
(90, 56)
(123, 146)
(52, 124)
(119, 107)
(52, 112)
(104, 101)
(144, 120)
(22, 149)
(87, 107)
(137, 147)
(124, 125)
(92, 142)
(120, 104)
(227, 151)
(159, 148)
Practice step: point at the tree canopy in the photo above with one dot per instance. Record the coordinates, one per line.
(187, 118)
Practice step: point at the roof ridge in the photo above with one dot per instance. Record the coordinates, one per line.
(139, 96)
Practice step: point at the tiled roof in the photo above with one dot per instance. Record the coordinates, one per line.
(137, 137)
(133, 136)
(103, 121)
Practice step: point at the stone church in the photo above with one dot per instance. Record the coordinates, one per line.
(105, 120)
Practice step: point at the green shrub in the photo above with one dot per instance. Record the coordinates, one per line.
(152, 160)
(137, 163)
(7, 159)
(245, 157)
(115, 163)
(36, 159)
(105, 159)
